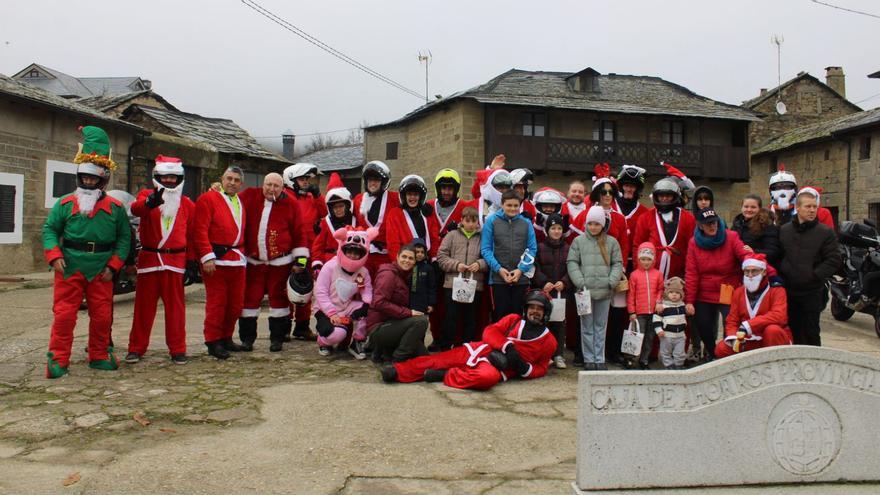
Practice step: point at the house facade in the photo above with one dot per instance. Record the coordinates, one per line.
(560, 125)
(39, 134)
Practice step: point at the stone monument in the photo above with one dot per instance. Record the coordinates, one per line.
(792, 414)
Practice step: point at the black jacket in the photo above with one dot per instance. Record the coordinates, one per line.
(423, 289)
(810, 255)
(766, 243)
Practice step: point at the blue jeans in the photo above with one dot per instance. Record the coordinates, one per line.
(593, 331)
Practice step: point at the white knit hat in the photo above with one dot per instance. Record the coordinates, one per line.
(596, 214)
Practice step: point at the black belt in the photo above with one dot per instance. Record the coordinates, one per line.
(220, 250)
(164, 250)
(88, 246)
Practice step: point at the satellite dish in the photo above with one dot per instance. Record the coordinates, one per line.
(780, 108)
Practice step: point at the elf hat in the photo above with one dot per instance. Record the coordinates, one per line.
(93, 154)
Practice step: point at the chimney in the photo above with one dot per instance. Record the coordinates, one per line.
(147, 83)
(287, 140)
(763, 91)
(836, 80)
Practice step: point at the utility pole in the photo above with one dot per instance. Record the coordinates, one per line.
(780, 106)
(427, 60)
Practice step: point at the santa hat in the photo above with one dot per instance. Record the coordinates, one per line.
(596, 214)
(646, 250)
(336, 190)
(168, 165)
(684, 183)
(602, 175)
(755, 260)
(814, 191)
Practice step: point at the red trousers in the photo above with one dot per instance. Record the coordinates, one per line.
(773, 335)
(67, 298)
(224, 299)
(483, 376)
(302, 313)
(268, 280)
(150, 287)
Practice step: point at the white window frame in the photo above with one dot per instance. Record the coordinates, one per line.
(17, 181)
(53, 166)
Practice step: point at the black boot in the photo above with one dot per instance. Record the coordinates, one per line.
(247, 332)
(277, 329)
(217, 350)
(230, 345)
(434, 375)
(389, 373)
(301, 331)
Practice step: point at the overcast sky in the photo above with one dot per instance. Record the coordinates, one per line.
(219, 58)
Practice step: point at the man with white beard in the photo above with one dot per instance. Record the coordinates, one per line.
(86, 239)
(166, 220)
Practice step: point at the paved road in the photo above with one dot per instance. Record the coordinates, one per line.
(290, 422)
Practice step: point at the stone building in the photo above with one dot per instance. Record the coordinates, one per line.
(807, 100)
(346, 160)
(840, 155)
(38, 140)
(560, 124)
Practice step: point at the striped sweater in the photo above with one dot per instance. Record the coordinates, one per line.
(672, 318)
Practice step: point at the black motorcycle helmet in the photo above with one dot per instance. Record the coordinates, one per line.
(376, 170)
(299, 287)
(538, 297)
(415, 183)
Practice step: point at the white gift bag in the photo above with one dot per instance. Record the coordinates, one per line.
(632, 339)
(558, 312)
(464, 289)
(583, 302)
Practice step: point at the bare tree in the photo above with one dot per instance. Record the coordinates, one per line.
(321, 142)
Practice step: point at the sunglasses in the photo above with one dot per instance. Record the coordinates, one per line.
(606, 192)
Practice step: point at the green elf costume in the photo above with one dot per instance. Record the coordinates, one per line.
(85, 239)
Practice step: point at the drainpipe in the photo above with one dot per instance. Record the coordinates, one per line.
(848, 142)
(138, 140)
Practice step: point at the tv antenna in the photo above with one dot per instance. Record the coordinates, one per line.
(426, 58)
(778, 40)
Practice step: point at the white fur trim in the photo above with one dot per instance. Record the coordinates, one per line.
(279, 312)
(300, 252)
(250, 312)
(208, 257)
(753, 263)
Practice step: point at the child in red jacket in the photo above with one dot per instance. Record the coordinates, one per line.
(644, 297)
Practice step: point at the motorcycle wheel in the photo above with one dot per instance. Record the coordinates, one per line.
(839, 311)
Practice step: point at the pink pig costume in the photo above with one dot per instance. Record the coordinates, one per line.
(344, 289)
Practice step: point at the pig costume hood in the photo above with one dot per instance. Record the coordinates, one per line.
(350, 238)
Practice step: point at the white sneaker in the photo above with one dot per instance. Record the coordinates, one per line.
(356, 349)
(559, 361)
(324, 351)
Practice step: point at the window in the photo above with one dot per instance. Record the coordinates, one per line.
(533, 124)
(774, 165)
(250, 179)
(391, 151)
(874, 213)
(11, 207)
(60, 180)
(827, 155)
(605, 130)
(865, 148)
(673, 132)
(33, 73)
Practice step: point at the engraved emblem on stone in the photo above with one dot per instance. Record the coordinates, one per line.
(804, 434)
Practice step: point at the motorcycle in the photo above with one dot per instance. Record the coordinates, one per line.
(124, 281)
(856, 285)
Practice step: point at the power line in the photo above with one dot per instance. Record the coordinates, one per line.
(866, 99)
(309, 134)
(327, 48)
(846, 9)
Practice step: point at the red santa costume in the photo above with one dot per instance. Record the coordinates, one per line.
(218, 236)
(631, 208)
(469, 366)
(274, 238)
(487, 191)
(405, 224)
(448, 214)
(668, 227)
(758, 314)
(522, 178)
(311, 208)
(166, 224)
(372, 209)
(325, 245)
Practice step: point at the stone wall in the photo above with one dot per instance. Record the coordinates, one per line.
(29, 136)
(807, 101)
(824, 164)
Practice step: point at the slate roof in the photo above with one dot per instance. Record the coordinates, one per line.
(68, 86)
(344, 157)
(819, 131)
(616, 93)
(223, 135)
(771, 93)
(875, 75)
(104, 103)
(37, 96)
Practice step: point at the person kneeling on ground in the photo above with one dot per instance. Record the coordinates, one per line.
(515, 346)
(758, 312)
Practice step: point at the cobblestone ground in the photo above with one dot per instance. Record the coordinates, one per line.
(289, 422)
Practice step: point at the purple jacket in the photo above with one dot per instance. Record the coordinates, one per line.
(390, 297)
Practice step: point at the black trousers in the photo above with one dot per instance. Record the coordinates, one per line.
(618, 319)
(454, 311)
(507, 299)
(399, 340)
(803, 316)
(706, 318)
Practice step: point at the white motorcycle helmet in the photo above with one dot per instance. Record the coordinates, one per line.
(300, 287)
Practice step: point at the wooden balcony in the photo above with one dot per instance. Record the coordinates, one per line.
(579, 156)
